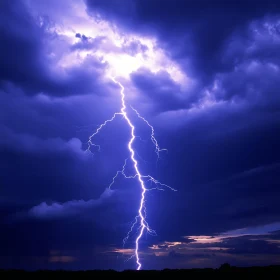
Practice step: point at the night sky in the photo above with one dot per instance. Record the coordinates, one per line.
(205, 74)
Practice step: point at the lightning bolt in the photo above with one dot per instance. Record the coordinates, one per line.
(140, 219)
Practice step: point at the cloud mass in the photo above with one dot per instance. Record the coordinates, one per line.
(203, 73)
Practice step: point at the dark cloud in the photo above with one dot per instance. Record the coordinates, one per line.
(19, 31)
(31, 67)
(226, 173)
(254, 55)
(193, 32)
(222, 137)
(244, 245)
(69, 208)
(230, 59)
(85, 78)
(159, 89)
(33, 144)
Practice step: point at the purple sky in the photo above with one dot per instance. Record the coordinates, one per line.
(205, 74)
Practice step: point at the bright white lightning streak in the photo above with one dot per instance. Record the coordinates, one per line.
(154, 140)
(97, 131)
(142, 210)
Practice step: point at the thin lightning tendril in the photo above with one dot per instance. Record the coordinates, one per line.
(90, 143)
(153, 139)
(142, 179)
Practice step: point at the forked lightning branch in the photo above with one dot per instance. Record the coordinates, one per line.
(140, 222)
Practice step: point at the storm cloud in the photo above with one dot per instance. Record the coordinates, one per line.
(204, 74)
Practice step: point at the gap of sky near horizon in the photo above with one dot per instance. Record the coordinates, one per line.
(201, 81)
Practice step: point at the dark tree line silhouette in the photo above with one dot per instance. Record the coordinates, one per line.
(224, 269)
